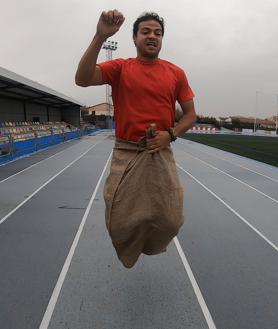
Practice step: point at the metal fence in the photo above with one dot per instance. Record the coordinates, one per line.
(12, 150)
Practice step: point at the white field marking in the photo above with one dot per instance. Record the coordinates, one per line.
(231, 209)
(238, 165)
(56, 292)
(238, 180)
(34, 164)
(195, 286)
(42, 186)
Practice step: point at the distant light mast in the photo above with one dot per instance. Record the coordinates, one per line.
(276, 121)
(109, 46)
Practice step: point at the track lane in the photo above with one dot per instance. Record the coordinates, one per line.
(237, 160)
(16, 190)
(100, 293)
(34, 242)
(253, 179)
(261, 212)
(19, 164)
(235, 269)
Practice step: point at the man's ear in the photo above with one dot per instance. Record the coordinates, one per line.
(134, 40)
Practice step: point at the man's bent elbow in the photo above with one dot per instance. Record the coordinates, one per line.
(193, 119)
(81, 82)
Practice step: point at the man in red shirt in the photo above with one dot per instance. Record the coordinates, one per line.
(144, 200)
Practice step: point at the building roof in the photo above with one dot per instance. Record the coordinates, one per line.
(15, 86)
(102, 107)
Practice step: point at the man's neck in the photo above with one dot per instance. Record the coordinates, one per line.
(147, 59)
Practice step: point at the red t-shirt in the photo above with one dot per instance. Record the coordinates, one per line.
(143, 93)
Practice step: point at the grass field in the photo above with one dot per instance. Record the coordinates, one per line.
(264, 149)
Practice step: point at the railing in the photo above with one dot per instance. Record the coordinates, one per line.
(232, 132)
(12, 150)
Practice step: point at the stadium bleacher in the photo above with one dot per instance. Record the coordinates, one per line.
(22, 131)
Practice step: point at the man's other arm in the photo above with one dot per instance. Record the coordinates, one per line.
(163, 138)
(88, 73)
(187, 120)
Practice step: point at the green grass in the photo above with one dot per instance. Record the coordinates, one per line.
(264, 149)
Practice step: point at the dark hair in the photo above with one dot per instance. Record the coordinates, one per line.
(148, 16)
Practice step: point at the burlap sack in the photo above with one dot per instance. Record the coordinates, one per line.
(144, 201)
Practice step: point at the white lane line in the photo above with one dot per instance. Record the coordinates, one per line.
(195, 286)
(238, 180)
(42, 186)
(36, 152)
(231, 209)
(35, 164)
(235, 164)
(56, 292)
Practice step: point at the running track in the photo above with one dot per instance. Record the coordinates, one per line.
(58, 269)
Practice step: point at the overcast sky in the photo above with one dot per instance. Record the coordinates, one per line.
(228, 48)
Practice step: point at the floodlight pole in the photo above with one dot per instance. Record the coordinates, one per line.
(276, 122)
(256, 110)
(109, 46)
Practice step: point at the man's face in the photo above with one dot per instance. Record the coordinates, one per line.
(148, 40)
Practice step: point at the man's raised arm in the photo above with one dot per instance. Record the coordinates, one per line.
(88, 73)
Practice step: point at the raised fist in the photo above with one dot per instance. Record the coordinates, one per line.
(109, 23)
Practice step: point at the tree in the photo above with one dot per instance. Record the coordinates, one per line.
(236, 123)
(207, 120)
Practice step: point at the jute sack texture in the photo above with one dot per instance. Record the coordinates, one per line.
(144, 201)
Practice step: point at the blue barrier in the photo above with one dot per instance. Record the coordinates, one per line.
(22, 148)
(5, 158)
